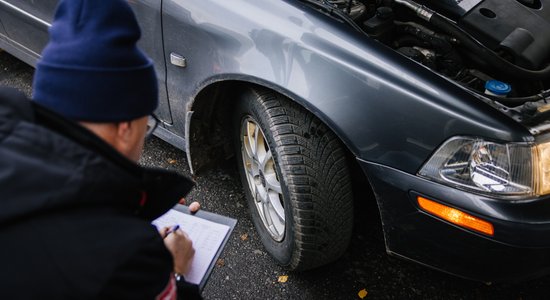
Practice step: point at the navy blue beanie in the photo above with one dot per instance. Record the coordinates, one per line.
(91, 69)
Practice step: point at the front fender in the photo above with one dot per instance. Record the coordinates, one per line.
(386, 108)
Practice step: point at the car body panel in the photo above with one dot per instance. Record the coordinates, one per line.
(148, 13)
(312, 62)
(26, 24)
(3, 34)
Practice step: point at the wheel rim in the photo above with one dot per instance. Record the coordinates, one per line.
(264, 184)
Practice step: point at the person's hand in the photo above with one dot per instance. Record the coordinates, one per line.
(180, 246)
(193, 207)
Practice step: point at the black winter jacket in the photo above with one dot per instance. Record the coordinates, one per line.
(75, 214)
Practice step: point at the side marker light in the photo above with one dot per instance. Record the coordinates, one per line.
(456, 216)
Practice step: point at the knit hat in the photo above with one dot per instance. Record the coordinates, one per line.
(91, 69)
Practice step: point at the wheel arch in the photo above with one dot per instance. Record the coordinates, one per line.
(210, 109)
(208, 122)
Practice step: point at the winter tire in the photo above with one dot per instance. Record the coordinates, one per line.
(295, 177)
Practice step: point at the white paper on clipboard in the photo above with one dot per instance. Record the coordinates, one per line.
(207, 237)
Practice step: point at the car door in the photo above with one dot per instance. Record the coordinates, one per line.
(26, 23)
(148, 13)
(3, 34)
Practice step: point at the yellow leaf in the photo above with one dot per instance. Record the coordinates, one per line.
(172, 161)
(220, 262)
(362, 293)
(244, 237)
(283, 278)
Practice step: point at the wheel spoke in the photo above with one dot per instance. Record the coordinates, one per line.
(267, 215)
(275, 225)
(265, 161)
(272, 183)
(248, 141)
(248, 148)
(249, 170)
(257, 138)
(250, 166)
(251, 135)
(260, 206)
(262, 193)
(278, 208)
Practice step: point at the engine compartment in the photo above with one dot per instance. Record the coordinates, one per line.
(497, 49)
(515, 29)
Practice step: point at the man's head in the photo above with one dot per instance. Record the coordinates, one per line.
(92, 72)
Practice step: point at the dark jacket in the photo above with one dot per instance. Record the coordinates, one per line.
(75, 214)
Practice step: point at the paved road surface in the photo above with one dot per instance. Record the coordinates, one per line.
(247, 272)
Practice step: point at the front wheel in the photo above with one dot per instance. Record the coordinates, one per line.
(296, 180)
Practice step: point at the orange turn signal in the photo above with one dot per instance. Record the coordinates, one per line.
(456, 216)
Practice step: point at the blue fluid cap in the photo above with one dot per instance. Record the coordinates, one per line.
(498, 88)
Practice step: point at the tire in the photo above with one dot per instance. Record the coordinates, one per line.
(299, 170)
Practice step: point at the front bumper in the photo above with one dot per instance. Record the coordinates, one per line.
(519, 249)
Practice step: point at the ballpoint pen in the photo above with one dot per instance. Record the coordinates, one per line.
(172, 230)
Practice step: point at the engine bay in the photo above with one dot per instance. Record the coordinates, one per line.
(497, 49)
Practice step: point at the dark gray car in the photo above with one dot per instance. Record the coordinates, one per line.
(439, 107)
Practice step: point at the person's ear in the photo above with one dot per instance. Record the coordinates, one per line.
(123, 137)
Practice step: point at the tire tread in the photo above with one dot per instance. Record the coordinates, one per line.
(313, 165)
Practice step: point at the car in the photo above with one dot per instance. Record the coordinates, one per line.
(438, 107)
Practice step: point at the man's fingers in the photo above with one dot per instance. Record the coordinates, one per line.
(194, 207)
(164, 231)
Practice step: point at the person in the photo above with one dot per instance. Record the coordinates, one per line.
(76, 209)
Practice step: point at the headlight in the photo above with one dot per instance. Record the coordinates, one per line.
(493, 168)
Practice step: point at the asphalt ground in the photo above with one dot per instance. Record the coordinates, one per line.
(245, 270)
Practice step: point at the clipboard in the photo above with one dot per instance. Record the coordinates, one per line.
(205, 216)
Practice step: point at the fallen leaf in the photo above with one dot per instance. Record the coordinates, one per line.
(244, 237)
(258, 252)
(283, 278)
(362, 293)
(220, 262)
(172, 161)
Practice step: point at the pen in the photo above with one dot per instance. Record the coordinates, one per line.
(172, 230)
